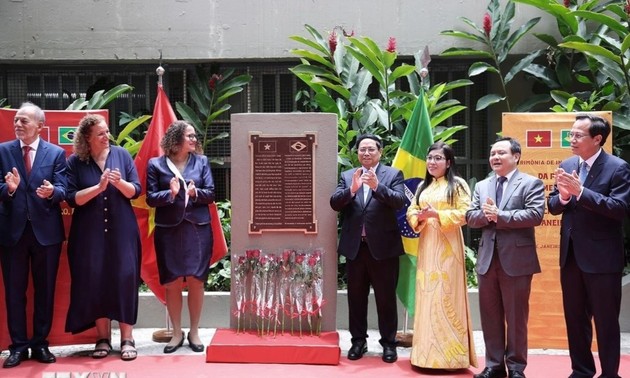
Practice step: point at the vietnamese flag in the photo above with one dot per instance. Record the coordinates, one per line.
(538, 138)
(163, 116)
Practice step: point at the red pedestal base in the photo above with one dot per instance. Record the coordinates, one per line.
(248, 347)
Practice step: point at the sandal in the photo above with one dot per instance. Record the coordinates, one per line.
(130, 353)
(102, 352)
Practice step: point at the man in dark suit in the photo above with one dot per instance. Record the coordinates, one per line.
(592, 192)
(31, 190)
(507, 207)
(368, 198)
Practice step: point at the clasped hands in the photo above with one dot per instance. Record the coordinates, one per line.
(568, 184)
(12, 179)
(490, 210)
(362, 176)
(425, 213)
(175, 185)
(110, 176)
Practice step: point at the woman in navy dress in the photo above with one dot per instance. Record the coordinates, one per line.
(180, 187)
(104, 250)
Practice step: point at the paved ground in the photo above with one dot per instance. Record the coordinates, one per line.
(146, 346)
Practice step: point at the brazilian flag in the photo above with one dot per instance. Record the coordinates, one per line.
(411, 160)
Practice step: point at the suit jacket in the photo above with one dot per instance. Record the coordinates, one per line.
(595, 222)
(377, 213)
(44, 214)
(170, 213)
(520, 211)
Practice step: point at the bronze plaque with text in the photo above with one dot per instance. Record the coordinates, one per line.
(282, 183)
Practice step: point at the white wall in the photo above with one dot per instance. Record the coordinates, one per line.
(194, 30)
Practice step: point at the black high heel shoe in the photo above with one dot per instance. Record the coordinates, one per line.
(195, 347)
(172, 348)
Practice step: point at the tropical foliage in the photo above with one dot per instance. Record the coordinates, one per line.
(210, 94)
(343, 71)
(497, 40)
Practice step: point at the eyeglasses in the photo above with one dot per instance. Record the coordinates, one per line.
(577, 136)
(368, 150)
(435, 158)
(191, 137)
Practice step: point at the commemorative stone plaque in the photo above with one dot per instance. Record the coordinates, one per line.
(282, 183)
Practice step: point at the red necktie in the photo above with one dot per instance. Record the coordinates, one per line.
(27, 159)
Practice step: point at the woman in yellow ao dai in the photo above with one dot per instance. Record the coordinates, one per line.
(442, 336)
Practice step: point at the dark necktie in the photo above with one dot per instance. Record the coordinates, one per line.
(583, 172)
(501, 180)
(27, 159)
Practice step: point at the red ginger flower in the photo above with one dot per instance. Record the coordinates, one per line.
(391, 45)
(567, 3)
(627, 7)
(332, 42)
(212, 83)
(487, 24)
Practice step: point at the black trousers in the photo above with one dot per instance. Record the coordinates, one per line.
(42, 262)
(382, 275)
(591, 297)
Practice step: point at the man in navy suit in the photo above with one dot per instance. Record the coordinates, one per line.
(368, 198)
(507, 207)
(31, 190)
(592, 192)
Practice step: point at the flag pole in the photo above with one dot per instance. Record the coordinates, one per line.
(163, 335)
(405, 337)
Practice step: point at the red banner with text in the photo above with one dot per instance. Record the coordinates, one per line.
(59, 129)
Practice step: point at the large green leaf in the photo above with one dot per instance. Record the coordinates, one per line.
(131, 126)
(190, 115)
(516, 36)
(521, 64)
(547, 38)
(365, 50)
(601, 18)
(314, 57)
(217, 113)
(487, 100)
(447, 132)
(369, 64)
(555, 9)
(318, 37)
(591, 49)
(337, 88)
(465, 51)
(544, 74)
(478, 68)
(441, 116)
(400, 71)
(102, 99)
(625, 45)
(358, 93)
(464, 35)
(531, 102)
(322, 49)
(77, 104)
(231, 92)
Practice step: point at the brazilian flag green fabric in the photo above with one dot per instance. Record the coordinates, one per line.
(411, 160)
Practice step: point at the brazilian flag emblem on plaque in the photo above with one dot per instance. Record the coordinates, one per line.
(66, 134)
(565, 140)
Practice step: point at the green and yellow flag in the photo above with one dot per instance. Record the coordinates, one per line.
(411, 160)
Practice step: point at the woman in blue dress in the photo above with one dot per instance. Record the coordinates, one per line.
(104, 250)
(180, 187)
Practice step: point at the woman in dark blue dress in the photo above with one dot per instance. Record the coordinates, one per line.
(180, 187)
(104, 250)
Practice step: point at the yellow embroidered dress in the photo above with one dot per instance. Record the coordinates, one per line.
(442, 331)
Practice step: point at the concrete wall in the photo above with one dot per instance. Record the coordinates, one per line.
(198, 30)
